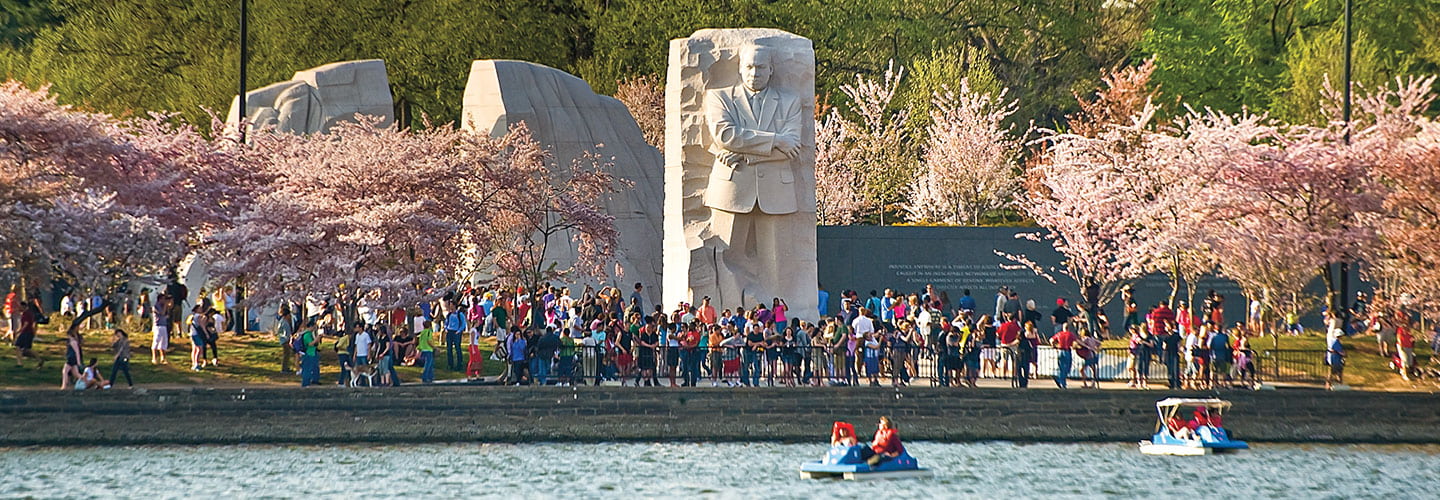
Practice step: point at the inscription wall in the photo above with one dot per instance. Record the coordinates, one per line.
(953, 259)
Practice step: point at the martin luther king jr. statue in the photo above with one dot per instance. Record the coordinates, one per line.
(758, 237)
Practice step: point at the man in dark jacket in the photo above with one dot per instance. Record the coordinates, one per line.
(545, 348)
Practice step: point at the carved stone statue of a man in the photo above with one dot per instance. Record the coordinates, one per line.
(756, 133)
(739, 221)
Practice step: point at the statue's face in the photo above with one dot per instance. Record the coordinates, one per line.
(755, 68)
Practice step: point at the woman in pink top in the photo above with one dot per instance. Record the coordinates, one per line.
(778, 308)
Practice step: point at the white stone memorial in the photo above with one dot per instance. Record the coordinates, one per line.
(317, 98)
(740, 170)
(569, 119)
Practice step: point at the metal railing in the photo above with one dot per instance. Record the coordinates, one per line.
(916, 365)
(1292, 365)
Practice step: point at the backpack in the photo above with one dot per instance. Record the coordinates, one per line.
(297, 343)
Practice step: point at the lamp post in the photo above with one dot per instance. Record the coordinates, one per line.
(239, 318)
(244, 58)
(1344, 280)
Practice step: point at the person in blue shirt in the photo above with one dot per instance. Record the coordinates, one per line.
(1220, 353)
(519, 365)
(1335, 357)
(877, 305)
(455, 325)
(487, 304)
(824, 302)
(967, 303)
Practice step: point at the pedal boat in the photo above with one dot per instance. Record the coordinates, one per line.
(843, 462)
(1204, 440)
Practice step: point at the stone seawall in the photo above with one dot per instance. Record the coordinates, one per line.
(511, 414)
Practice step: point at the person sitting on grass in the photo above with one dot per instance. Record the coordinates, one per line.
(92, 378)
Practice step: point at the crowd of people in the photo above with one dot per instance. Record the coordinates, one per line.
(558, 337)
(590, 336)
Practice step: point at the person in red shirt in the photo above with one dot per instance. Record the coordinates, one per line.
(1178, 428)
(1009, 336)
(1160, 317)
(1406, 342)
(1063, 342)
(886, 445)
(842, 434)
(1204, 418)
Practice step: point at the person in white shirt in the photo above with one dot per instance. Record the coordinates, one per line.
(363, 340)
(1000, 298)
(923, 321)
(862, 323)
(1192, 340)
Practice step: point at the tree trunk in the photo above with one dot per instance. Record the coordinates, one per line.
(1092, 301)
(1332, 300)
(240, 317)
(1174, 278)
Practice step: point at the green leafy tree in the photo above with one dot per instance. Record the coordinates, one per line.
(20, 20)
(939, 73)
(185, 56)
(1272, 54)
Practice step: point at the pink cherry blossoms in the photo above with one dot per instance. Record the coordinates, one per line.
(103, 199)
(1267, 204)
(969, 162)
(392, 213)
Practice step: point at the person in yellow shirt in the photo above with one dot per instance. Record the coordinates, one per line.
(425, 343)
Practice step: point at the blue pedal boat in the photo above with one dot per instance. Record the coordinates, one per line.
(1205, 439)
(843, 462)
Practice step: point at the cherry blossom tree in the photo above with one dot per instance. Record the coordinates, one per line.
(553, 207)
(837, 201)
(645, 98)
(881, 152)
(1078, 191)
(1289, 200)
(1124, 91)
(1406, 145)
(360, 210)
(74, 182)
(1086, 188)
(98, 246)
(969, 164)
(391, 214)
(41, 144)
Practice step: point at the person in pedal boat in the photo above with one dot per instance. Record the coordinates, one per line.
(886, 445)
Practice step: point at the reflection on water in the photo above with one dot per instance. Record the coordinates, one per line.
(708, 469)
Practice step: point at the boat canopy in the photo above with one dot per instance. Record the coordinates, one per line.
(1183, 402)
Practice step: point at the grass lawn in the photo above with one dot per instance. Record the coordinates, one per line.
(252, 359)
(1364, 368)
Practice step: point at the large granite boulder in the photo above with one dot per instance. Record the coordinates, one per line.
(317, 98)
(569, 119)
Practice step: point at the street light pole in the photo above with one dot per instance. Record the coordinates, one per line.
(238, 316)
(244, 58)
(1344, 280)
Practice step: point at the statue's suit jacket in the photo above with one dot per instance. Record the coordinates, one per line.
(764, 175)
